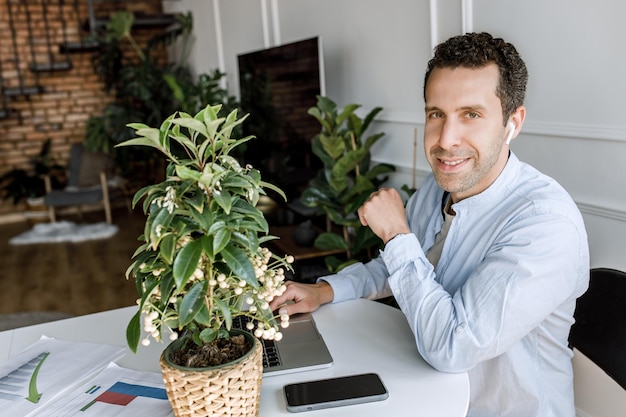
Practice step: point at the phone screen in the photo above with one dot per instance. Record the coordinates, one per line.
(334, 392)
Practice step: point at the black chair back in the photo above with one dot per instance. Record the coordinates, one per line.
(600, 328)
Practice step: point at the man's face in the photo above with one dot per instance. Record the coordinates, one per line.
(464, 132)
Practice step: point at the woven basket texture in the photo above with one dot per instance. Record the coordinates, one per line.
(229, 391)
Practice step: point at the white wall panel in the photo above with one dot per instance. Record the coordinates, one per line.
(374, 55)
(575, 53)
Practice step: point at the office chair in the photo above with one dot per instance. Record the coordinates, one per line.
(600, 328)
(88, 183)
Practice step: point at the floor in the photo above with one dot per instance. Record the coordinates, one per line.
(72, 278)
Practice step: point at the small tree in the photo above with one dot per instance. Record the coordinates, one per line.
(346, 180)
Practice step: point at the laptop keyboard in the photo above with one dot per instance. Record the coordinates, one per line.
(271, 358)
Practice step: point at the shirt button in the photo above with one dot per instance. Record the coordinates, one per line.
(460, 328)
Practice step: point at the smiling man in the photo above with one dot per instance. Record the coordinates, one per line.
(489, 256)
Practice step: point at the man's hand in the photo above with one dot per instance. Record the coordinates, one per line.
(305, 297)
(384, 213)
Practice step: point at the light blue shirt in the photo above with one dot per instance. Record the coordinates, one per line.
(500, 302)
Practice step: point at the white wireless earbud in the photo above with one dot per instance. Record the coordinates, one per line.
(511, 131)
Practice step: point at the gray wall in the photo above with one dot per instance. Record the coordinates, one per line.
(376, 52)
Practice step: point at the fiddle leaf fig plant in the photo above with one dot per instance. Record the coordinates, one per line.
(202, 262)
(346, 180)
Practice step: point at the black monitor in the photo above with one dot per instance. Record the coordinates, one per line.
(277, 87)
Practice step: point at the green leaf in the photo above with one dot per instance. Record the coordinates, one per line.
(187, 173)
(379, 169)
(371, 140)
(208, 335)
(193, 125)
(370, 117)
(221, 238)
(119, 24)
(224, 200)
(273, 188)
(167, 247)
(203, 317)
(332, 145)
(161, 221)
(133, 332)
(137, 126)
(139, 142)
(314, 197)
(347, 111)
(348, 162)
(212, 126)
(238, 262)
(186, 262)
(225, 310)
(330, 241)
(192, 303)
(318, 150)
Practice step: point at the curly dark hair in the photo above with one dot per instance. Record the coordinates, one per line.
(477, 50)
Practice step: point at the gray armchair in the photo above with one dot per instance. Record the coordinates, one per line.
(88, 183)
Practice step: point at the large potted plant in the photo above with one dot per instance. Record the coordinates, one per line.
(202, 264)
(345, 181)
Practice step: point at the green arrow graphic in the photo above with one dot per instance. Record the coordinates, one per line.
(33, 395)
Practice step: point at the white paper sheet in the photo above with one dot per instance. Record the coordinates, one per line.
(46, 369)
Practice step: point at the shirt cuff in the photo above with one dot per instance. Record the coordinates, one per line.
(400, 250)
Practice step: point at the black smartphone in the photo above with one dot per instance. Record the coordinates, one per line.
(334, 392)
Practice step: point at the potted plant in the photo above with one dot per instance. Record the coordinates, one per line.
(28, 185)
(202, 263)
(345, 181)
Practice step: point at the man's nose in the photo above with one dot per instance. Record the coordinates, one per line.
(450, 134)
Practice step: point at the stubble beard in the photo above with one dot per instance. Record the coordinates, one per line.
(461, 182)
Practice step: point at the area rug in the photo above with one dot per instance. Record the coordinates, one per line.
(64, 232)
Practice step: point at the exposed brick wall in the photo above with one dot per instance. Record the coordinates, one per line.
(70, 97)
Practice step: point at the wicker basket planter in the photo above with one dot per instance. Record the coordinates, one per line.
(231, 390)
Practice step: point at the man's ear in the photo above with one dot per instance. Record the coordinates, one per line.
(515, 123)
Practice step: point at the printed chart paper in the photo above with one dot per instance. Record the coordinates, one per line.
(44, 370)
(115, 392)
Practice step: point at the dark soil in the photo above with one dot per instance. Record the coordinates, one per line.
(217, 352)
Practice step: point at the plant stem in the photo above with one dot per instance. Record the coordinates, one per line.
(356, 168)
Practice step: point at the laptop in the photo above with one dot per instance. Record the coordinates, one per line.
(302, 348)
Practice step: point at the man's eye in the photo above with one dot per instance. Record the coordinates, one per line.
(435, 115)
(472, 115)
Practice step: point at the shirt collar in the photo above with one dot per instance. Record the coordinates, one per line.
(495, 191)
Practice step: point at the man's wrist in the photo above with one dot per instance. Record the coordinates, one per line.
(395, 236)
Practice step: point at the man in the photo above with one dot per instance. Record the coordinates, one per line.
(488, 258)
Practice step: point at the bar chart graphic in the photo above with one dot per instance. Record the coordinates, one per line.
(122, 393)
(22, 382)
